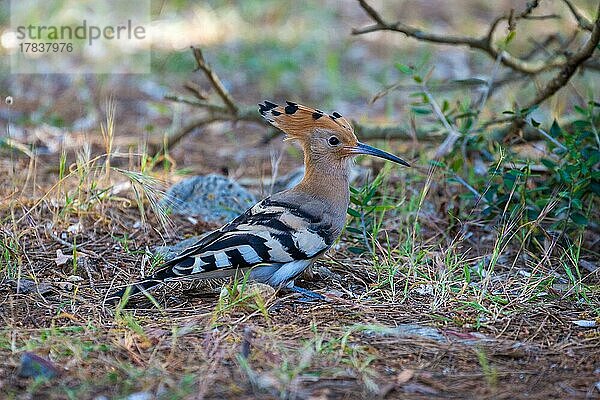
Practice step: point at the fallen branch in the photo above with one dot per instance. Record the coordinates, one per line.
(225, 113)
(243, 115)
(229, 111)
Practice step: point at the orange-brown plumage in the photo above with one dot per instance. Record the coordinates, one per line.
(326, 140)
(298, 121)
(329, 144)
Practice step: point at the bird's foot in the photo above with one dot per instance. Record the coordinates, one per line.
(307, 295)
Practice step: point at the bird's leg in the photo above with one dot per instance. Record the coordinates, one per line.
(307, 295)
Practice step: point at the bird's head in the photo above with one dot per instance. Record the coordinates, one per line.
(325, 138)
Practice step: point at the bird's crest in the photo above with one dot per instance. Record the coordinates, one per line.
(297, 120)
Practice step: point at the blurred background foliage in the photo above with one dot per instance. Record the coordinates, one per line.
(306, 52)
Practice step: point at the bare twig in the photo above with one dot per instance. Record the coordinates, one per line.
(72, 246)
(198, 103)
(470, 188)
(461, 84)
(561, 59)
(439, 87)
(573, 62)
(550, 138)
(564, 75)
(485, 43)
(581, 20)
(175, 138)
(229, 111)
(196, 90)
(488, 87)
(540, 47)
(214, 80)
(221, 113)
(453, 133)
(246, 115)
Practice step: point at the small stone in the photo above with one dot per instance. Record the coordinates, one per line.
(212, 198)
(75, 228)
(140, 396)
(586, 323)
(34, 366)
(26, 286)
(409, 330)
(425, 290)
(590, 266)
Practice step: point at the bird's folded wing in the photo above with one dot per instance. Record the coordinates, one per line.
(271, 232)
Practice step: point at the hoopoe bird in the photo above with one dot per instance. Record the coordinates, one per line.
(282, 235)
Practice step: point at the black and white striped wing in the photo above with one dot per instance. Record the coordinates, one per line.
(269, 233)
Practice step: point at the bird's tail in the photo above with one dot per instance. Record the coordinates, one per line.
(132, 290)
(140, 287)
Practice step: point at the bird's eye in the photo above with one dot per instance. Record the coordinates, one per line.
(334, 141)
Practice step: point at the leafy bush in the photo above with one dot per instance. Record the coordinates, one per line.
(564, 193)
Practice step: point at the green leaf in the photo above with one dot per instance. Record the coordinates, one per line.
(565, 176)
(581, 110)
(548, 164)
(356, 201)
(579, 219)
(423, 111)
(511, 35)
(581, 124)
(437, 163)
(405, 69)
(353, 213)
(555, 129)
(561, 210)
(445, 106)
(357, 250)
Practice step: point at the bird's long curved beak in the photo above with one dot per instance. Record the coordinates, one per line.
(362, 148)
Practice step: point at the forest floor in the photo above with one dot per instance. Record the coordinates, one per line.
(427, 337)
(439, 309)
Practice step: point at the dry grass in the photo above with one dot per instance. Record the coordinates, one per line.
(505, 314)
